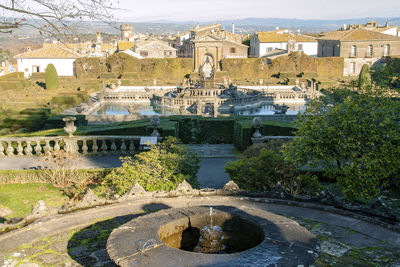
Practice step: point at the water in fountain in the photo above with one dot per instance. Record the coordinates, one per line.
(211, 238)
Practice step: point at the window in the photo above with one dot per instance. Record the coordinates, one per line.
(300, 47)
(167, 53)
(352, 67)
(144, 53)
(386, 51)
(233, 50)
(35, 69)
(370, 51)
(268, 49)
(353, 52)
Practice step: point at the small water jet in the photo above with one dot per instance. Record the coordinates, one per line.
(211, 238)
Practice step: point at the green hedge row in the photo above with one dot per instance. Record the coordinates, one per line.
(193, 129)
(243, 130)
(55, 121)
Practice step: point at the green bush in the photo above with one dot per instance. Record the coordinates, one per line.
(51, 77)
(255, 173)
(259, 169)
(162, 168)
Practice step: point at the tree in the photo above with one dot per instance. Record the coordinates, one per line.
(364, 79)
(353, 137)
(52, 16)
(51, 77)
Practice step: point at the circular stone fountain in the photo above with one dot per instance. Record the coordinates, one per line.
(229, 237)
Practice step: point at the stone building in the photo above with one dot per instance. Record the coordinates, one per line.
(211, 43)
(155, 48)
(37, 60)
(357, 47)
(215, 48)
(373, 26)
(127, 32)
(279, 42)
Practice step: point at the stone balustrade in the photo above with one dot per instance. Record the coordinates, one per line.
(94, 145)
(125, 96)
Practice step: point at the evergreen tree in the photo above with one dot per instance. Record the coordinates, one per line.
(364, 80)
(51, 77)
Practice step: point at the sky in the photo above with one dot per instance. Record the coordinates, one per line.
(217, 10)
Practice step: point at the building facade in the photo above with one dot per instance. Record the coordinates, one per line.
(358, 47)
(263, 44)
(37, 60)
(215, 48)
(155, 48)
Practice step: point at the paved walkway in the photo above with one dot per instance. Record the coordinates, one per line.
(79, 239)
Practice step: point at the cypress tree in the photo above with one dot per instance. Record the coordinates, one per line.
(51, 77)
(364, 80)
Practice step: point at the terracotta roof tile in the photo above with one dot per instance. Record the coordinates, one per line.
(357, 35)
(275, 37)
(125, 45)
(49, 52)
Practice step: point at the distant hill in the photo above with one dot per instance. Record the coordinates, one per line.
(246, 26)
(257, 24)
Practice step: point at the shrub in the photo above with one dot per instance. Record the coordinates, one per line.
(63, 173)
(51, 77)
(262, 166)
(162, 168)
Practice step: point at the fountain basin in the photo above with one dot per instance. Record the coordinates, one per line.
(253, 238)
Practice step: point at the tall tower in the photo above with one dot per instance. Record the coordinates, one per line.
(126, 32)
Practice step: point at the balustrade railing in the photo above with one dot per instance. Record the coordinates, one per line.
(95, 145)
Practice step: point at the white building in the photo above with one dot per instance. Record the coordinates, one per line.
(263, 44)
(37, 60)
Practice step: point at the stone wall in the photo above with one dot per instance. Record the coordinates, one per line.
(291, 66)
(238, 69)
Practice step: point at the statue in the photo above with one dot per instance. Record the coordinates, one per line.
(207, 69)
(154, 82)
(261, 82)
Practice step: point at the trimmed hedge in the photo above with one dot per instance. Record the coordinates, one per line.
(37, 176)
(193, 129)
(56, 121)
(243, 130)
(29, 122)
(12, 76)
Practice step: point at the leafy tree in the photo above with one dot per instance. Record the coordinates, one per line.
(354, 137)
(364, 79)
(388, 74)
(51, 77)
(161, 168)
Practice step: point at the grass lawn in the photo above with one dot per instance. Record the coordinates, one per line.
(21, 198)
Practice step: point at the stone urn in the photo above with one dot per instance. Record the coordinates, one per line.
(155, 121)
(130, 109)
(79, 109)
(281, 109)
(70, 128)
(182, 110)
(257, 124)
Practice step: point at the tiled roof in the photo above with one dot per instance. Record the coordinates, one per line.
(49, 52)
(125, 45)
(275, 37)
(207, 27)
(159, 42)
(357, 35)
